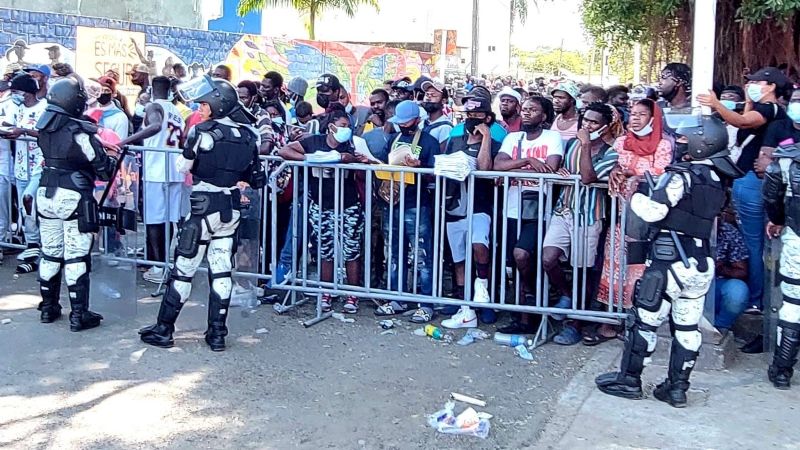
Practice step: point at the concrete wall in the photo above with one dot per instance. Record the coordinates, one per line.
(176, 13)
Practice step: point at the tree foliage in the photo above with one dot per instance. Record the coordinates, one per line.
(313, 8)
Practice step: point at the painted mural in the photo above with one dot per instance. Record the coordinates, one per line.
(46, 38)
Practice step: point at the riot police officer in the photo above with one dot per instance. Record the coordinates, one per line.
(680, 211)
(67, 211)
(219, 153)
(782, 201)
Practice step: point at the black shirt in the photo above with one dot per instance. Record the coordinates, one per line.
(771, 112)
(347, 188)
(456, 193)
(780, 131)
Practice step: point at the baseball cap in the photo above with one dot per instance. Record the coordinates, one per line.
(298, 86)
(478, 104)
(569, 87)
(329, 82)
(419, 81)
(438, 85)
(771, 75)
(139, 68)
(406, 111)
(477, 91)
(25, 83)
(403, 84)
(44, 69)
(108, 82)
(509, 92)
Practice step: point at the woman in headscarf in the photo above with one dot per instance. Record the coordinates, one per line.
(643, 149)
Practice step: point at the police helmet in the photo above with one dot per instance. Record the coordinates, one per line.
(706, 138)
(222, 99)
(67, 96)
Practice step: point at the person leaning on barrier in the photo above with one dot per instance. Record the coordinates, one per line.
(336, 146)
(680, 211)
(67, 211)
(220, 153)
(782, 201)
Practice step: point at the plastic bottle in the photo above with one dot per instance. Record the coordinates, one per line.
(434, 332)
(512, 340)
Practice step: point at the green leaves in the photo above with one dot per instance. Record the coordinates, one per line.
(306, 7)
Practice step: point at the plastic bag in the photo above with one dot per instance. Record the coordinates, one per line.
(469, 422)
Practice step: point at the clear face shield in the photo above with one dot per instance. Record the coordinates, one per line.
(678, 118)
(196, 88)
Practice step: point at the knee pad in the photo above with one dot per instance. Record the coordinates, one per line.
(690, 340)
(222, 286)
(790, 311)
(48, 268)
(189, 238)
(649, 290)
(75, 268)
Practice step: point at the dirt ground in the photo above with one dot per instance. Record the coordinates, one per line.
(279, 385)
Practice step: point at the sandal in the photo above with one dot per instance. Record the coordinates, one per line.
(392, 308)
(595, 338)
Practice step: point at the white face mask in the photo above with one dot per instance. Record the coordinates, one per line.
(139, 110)
(594, 135)
(755, 92)
(646, 131)
(342, 134)
(348, 108)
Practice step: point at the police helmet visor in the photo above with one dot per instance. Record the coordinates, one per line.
(683, 117)
(196, 88)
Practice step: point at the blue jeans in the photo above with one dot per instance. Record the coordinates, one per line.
(749, 203)
(424, 247)
(732, 298)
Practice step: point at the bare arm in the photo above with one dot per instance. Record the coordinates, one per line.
(746, 120)
(504, 163)
(293, 151)
(153, 117)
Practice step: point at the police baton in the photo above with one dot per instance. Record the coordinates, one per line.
(672, 233)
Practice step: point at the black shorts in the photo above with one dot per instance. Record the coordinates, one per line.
(527, 238)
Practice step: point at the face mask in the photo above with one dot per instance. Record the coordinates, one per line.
(139, 110)
(730, 104)
(104, 99)
(323, 100)
(18, 99)
(342, 134)
(411, 129)
(471, 124)
(396, 127)
(432, 107)
(681, 149)
(594, 135)
(348, 108)
(754, 91)
(793, 110)
(530, 127)
(644, 131)
(278, 121)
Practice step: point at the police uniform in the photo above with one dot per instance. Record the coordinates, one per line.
(67, 211)
(782, 201)
(219, 153)
(680, 212)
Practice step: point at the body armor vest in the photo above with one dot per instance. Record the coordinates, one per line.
(231, 158)
(65, 164)
(701, 203)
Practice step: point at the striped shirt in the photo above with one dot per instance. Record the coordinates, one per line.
(603, 162)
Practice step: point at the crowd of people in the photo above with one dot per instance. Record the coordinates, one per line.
(600, 135)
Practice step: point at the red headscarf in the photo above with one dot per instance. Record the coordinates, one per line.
(646, 145)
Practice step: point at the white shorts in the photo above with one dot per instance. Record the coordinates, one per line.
(156, 198)
(559, 235)
(457, 234)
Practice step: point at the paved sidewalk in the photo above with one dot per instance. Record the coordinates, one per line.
(731, 409)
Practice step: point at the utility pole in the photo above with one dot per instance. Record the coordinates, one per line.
(475, 43)
(705, 12)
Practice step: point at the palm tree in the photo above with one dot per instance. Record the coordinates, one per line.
(519, 10)
(311, 7)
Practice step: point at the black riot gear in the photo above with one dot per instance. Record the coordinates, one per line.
(707, 138)
(223, 99)
(67, 96)
(234, 153)
(695, 213)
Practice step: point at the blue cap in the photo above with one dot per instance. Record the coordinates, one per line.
(406, 111)
(43, 68)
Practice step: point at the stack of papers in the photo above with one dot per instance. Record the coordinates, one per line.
(455, 166)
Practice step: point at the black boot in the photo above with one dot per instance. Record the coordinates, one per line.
(673, 389)
(217, 316)
(782, 368)
(51, 294)
(627, 383)
(160, 334)
(80, 318)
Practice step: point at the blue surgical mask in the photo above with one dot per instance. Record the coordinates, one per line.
(594, 135)
(17, 98)
(139, 110)
(396, 127)
(342, 134)
(730, 104)
(278, 121)
(348, 108)
(793, 110)
(755, 92)
(646, 131)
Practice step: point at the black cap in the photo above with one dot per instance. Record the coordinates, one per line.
(25, 83)
(477, 104)
(329, 82)
(771, 75)
(403, 85)
(477, 91)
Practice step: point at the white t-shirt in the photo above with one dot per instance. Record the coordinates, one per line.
(7, 110)
(156, 164)
(29, 159)
(517, 146)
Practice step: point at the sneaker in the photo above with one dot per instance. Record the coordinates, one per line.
(481, 294)
(351, 305)
(30, 254)
(464, 318)
(326, 303)
(27, 267)
(564, 303)
(422, 315)
(391, 309)
(154, 275)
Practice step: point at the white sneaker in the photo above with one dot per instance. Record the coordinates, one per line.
(481, 294)
(154, 275)
(464, 318)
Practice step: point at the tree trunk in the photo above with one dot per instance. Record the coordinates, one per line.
(651, 61)
(312, 19)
